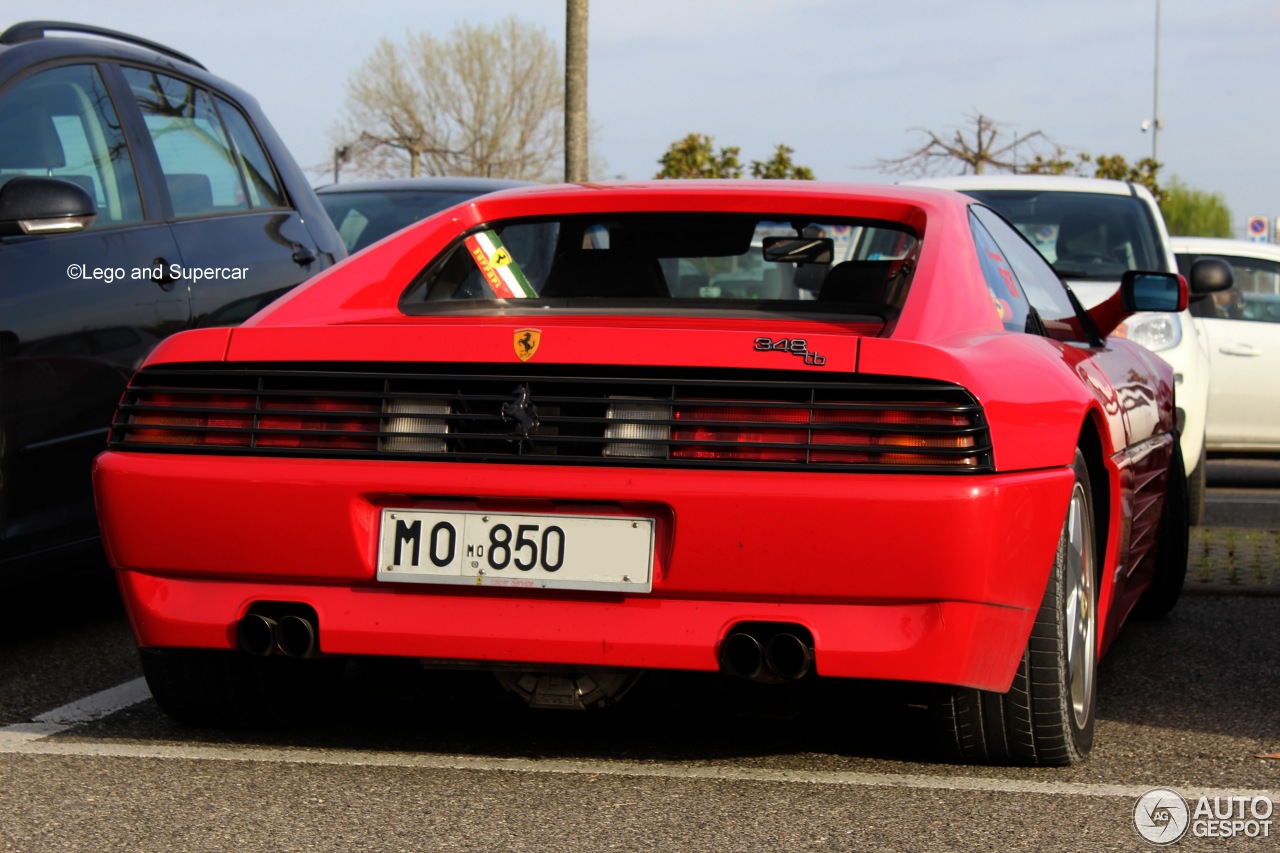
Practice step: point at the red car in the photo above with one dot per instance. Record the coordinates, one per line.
(778, 430)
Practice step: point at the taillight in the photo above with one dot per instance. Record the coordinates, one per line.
(846, 443)
(831, 433)
(243, 420)
(191, 419)
(743, 432)
(336, 423)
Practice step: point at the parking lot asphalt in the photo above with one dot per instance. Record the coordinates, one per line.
(1243, 560)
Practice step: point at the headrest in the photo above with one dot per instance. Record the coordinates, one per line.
(1079, 232)
(605, 273)
(855, 281)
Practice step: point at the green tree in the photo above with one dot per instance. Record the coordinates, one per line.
(487, 101)
(695, 157)
(1113, 166)
(1058, 164)
(781, 166)
(1187, 212)
(1194, 213)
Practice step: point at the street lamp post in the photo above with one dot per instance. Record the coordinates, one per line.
(1154, 124)
(340, 156)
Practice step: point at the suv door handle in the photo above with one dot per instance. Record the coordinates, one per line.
(162, 277)
(1246, 350)
(302, 255)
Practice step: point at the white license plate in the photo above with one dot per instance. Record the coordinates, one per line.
(519, 551)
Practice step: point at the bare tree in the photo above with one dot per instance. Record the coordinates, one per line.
(575, 91)
(488, 101)
(984, 149)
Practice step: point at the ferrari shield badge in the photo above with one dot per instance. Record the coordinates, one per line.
(526, 342)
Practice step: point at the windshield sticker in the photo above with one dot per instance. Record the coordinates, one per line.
(1005, 273)
(501, 272)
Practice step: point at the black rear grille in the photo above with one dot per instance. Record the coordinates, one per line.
(726, 419)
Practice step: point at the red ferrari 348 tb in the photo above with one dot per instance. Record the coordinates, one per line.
(775, 430)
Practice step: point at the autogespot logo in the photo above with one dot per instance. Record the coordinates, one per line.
(1161, 816)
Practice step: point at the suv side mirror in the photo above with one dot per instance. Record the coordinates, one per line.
(1153, 291)
(35, 205)
(1210, 275)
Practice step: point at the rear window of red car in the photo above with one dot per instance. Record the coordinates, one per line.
(673, 261)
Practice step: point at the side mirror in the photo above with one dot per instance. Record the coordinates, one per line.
(34, 205)
(1210, 275)
(1153, 291)
(1139, 291)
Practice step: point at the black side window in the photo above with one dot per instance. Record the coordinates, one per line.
(1040, 284)
(61, 123)
(209, 167)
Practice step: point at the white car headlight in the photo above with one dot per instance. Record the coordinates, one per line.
(1154, 330)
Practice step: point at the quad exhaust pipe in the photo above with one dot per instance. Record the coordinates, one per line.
(788, 656)
(773, 654)
(256, 634)
(296, 637)
(292, 635)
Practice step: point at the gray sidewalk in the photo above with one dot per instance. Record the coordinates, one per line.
(1234, 559)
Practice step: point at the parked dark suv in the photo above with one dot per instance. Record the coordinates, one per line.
(139, 195)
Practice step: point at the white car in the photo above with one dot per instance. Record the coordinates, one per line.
(1092, 230)
(1242, 326)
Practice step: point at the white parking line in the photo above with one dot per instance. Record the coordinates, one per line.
(99, 705)
(33, 739)
(104, 703)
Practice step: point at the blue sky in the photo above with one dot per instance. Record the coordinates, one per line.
(843, 82)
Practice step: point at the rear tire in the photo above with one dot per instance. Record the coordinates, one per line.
(1047, 715)
(1171, 558)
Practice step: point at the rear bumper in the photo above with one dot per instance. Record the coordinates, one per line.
(946, 642)
(920, 578)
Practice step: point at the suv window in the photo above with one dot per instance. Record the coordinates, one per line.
(264, 190)
(203, 171)
(61, 123)
(1084, 235)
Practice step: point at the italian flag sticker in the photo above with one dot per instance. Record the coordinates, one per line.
(501, 272)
